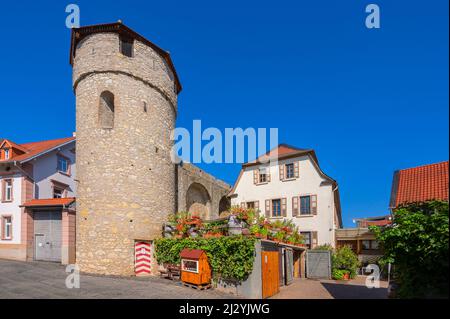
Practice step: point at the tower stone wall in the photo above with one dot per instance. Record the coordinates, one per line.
(126, 179)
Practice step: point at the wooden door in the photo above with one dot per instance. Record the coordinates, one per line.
(270, 273)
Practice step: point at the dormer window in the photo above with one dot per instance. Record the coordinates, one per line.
(7, 153)
(263, 175)
(126, 46)
(59, 190)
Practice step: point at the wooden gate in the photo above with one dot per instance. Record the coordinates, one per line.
(318, 264)
(289, 266)
(270, 273)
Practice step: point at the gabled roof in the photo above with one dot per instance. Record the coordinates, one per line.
(118, 27)
(191, 253)
(38, 148)
(11, 144)
(282, 151)
(420, 184)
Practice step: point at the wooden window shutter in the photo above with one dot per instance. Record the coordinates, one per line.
(283, 207)
(257, 205)
(268, 173)
(243, 205)
(314, 239)
(268, 208)
(295, 206)
(314, 204)
(281, 171)
(255, 176)
(296, 169)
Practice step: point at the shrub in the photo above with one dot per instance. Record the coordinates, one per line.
(417, 245)
(345, 259)
(324, 247)
(339, 274)
(231, 258)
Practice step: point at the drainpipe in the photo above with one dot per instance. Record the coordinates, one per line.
(334, 211)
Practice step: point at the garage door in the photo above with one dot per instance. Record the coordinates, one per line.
(47, 235)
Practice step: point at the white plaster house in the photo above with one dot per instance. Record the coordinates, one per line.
(36, 193)
(293, 187)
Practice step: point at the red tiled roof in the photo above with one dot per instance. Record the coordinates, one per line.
(35, 148)
(191, 253)
(14, 145)
(367, 223)
(282, 151)
(420, 184)
(49, 202)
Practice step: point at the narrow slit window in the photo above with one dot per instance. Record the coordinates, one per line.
(106, 110)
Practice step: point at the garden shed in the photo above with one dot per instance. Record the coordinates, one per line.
(195, 268)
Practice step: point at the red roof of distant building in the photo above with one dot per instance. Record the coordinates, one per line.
(420, 184)
(49, 202)
(368, 222)
(35, 148)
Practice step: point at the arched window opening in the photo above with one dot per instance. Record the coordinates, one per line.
(106, 110)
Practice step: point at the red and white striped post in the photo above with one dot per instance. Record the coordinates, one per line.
(142, 258)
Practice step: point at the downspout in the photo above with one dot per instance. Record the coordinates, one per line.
(333, 191)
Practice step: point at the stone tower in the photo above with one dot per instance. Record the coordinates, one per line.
(126, 105)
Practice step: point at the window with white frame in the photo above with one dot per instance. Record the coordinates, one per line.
(58, 192)
(306, 238)
(263, 172)
(7, 154)
(305, 205)
(6, 227)
(276, 208)
(189, 265)
(290, 170)
(63, 164)
(7, 190)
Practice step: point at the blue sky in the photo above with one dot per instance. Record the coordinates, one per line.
(368, 101)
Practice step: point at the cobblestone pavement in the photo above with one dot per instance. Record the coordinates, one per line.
(47, 280)
(332, 289)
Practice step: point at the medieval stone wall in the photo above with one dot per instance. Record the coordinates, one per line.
(195, 186)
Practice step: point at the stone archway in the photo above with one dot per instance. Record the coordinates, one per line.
(224, 205)
(198, 201)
